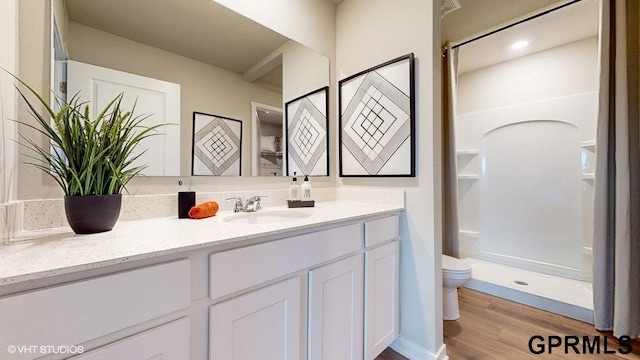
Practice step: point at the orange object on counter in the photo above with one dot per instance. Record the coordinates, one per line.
(204, 210)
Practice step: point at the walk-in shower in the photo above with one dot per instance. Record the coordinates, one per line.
(524, 123)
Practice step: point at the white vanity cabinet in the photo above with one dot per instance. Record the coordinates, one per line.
(322, 292)
(71, 314)
(382, 285)
(336, 310)
(263, 324)
(324, 295)
(169, 341)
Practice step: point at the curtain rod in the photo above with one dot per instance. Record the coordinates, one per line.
(516, 23)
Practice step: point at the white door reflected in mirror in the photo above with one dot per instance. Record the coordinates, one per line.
(157, 99)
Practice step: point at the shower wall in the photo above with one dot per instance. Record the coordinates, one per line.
(525, 133)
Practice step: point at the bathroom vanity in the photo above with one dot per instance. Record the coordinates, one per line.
(320, 286)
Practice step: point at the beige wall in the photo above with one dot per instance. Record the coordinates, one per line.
(370, 32)
(309, 22)
(34, 57)
(303, 70)
(8, 57)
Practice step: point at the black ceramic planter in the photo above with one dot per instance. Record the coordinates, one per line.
(92, 214)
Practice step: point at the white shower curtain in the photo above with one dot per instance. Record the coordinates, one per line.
(450, 183)
(616, 244)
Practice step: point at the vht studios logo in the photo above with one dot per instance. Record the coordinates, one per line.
(571, 344)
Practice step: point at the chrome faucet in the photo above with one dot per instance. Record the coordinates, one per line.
(253, 203)
(237, 206)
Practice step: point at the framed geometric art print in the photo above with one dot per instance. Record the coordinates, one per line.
(216, 145)
(377, 121)
(307, 130)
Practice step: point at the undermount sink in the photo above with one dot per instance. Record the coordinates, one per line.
(266, 217)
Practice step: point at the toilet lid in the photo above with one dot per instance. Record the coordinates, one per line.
(454, 265)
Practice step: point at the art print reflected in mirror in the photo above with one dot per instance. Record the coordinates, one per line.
(216, 145)
(307, 134)
(222, 63)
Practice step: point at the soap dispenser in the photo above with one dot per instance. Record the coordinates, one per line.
(306, 189)
(294, 189)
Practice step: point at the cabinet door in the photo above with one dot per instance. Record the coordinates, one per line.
(336, 310)
(263, 324)
(381, 298)
(167, 342)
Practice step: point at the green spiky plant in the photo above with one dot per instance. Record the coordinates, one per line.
(90, 156)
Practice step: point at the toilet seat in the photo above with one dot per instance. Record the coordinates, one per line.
(453, 265)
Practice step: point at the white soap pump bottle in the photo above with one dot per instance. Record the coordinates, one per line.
(294, 189)
(306, 189)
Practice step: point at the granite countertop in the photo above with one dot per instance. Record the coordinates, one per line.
(41, 254)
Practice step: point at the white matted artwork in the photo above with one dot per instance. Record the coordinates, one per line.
(216, 146)
(377, 136)
(307, 134)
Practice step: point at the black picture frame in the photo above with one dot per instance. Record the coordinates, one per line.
(216, 145)
(377, 121)
(307, 134)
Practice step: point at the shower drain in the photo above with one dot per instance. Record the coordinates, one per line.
(520, 282)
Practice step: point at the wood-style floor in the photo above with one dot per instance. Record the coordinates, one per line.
(389, 354)
(491, 328)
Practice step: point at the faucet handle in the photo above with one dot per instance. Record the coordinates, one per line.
(237, 206)
(253, 203)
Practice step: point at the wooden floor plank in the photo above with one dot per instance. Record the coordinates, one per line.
(493, 328)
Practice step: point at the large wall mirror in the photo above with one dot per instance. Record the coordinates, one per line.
(226, 66)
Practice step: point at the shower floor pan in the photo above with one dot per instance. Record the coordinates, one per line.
(568, 297)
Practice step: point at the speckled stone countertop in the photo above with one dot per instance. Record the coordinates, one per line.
(41, 254)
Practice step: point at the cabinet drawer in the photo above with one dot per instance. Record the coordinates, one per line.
(168, 342)
(77, 312)
(381, 230)
(238, 269)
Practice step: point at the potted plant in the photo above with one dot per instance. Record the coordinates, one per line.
(91, 158)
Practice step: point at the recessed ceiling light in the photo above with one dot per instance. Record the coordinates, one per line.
(519, 44)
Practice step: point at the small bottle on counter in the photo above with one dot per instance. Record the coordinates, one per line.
(306, 189)
(294, 189)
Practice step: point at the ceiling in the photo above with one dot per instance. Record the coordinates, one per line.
(571, 23)
(204, 30)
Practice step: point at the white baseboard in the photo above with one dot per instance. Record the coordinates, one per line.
(412, 351)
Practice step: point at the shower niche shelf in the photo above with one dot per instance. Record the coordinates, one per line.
(470, 233)
(469, 177)
(589, 145)
(588, 160)
(468, 152)
(468, 165)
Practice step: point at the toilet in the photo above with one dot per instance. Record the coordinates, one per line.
(455, 273)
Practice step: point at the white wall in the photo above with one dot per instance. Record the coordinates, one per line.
(562, 71)
(370, 32)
